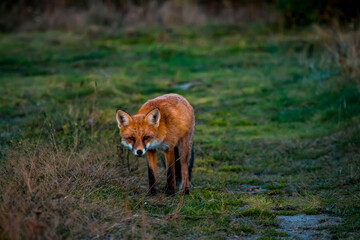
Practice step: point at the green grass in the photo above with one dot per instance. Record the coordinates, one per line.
(267, 115)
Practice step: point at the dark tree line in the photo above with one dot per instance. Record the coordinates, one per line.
(294, 12)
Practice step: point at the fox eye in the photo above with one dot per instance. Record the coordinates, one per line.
(146, 138)
(132, 138)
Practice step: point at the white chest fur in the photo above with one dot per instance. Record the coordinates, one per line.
(157, 145)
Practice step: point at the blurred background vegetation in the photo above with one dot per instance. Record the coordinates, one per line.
(74, 14)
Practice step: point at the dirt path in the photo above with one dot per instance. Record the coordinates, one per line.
(308, 226)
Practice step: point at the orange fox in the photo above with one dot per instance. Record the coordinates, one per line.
(165, 124)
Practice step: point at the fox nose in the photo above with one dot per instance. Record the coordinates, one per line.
(139, 152)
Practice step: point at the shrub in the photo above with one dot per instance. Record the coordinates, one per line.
(298, 12)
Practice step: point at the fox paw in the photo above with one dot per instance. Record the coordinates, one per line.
(170, 191)
(151, 192)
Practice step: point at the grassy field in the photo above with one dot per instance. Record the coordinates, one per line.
(273, 112)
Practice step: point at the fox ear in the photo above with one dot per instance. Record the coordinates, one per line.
(153, 117)
(122, 118)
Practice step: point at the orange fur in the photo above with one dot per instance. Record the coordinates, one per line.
(163, 123)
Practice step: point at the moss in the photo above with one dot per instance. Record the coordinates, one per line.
(231, 169)
(273, 186)
(217, 122)
(273, 192)
(286, 213)
(312, 211)
(272, 232)
(257, 213)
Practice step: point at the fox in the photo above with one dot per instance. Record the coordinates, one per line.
(165, 124)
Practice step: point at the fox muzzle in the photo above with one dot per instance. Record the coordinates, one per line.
(139, 152)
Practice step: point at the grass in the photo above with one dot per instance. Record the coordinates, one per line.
(270, 113)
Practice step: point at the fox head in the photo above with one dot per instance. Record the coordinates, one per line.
(138, 132)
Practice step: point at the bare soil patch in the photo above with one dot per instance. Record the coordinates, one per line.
(303, 226)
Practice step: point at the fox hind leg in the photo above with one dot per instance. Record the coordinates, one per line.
(177, 167)
(191, 162)
(185, 152)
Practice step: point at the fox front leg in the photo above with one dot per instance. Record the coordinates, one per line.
(170, 172)
(151, 162)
